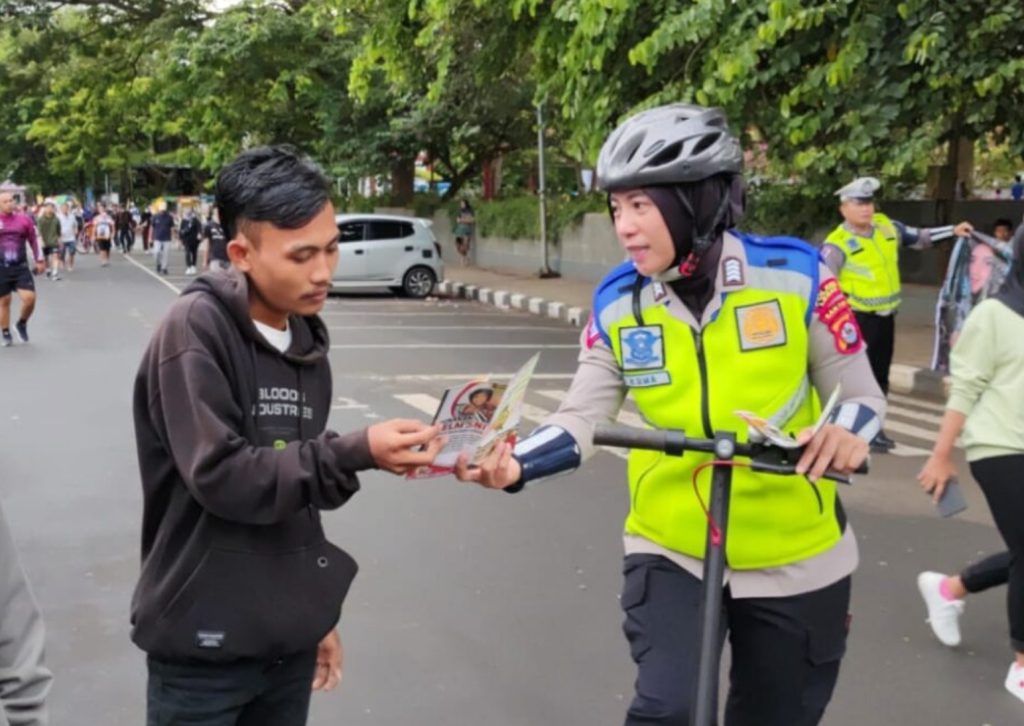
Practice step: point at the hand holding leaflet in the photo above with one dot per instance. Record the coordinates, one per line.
(475, 417)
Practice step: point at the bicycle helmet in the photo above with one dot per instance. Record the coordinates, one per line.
(675, 144)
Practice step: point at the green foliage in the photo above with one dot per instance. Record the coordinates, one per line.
(515, 217)
(518, 217)
(794, 210)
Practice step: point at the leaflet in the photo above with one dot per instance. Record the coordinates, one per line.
(761, 429)
(475, 417)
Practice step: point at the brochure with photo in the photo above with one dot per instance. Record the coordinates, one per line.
(475, 417)
(761, 429)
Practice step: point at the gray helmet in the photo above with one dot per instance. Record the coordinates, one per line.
(672, 144)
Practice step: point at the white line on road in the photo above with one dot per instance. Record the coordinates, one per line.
(421, 402)
(905, 450)
(175, 288)
(913, 415)
(915, 431)
(477, 346)
(910, 401)
(625, 417)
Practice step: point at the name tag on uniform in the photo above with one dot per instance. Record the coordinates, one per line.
(643, 347)
(646, 380)
(760, 326)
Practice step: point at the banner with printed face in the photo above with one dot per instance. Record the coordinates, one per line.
(977, 268)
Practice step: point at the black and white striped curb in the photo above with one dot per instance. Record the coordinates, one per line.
(505, 300)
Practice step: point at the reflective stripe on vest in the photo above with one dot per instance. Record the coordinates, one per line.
(755, 359)
(870, 276)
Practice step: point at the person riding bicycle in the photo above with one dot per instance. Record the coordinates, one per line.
(701, 321)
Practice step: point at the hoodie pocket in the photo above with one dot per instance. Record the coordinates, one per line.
(240, 604)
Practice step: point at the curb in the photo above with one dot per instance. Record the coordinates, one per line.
(571, 314)
(905, 379)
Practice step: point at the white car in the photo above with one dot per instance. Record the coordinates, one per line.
(383, 250)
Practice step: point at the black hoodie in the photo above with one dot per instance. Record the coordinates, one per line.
(235, 465)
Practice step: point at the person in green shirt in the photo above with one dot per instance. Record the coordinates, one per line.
(49, 230)
(987, 369)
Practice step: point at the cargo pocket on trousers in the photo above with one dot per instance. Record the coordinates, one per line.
(826, 646)
(634, 600)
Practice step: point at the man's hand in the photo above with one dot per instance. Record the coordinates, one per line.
(963, 229)
(393, 444)
(40, 267)
(329, 659)
(833, 447)
(935, 474)
(498, 471)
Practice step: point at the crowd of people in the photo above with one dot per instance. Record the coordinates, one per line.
(48, 237)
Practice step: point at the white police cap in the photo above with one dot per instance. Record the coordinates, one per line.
(861, 188)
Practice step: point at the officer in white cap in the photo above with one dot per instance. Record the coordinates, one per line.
(863, 252)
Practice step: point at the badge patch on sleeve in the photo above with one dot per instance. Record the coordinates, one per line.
(836, 314)
(642, 347)
(761, 325)
(592, 333)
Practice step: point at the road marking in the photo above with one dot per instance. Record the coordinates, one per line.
(476, 346)
(913, 415)
(916, 431)
(625, 416)
(911, 401)
(421, 402)
(175, 288)
(905, 450)
(347, 403)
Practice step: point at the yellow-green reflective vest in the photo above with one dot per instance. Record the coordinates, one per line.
(751, 356)
(870, 276)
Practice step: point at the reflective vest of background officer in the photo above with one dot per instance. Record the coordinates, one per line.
(701, 321)
(863, 252)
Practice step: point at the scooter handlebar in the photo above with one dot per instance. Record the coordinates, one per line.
(676, 443)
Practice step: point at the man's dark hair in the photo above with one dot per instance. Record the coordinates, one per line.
(1002, 222)
(275, 184)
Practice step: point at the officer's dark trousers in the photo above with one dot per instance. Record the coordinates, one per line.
(879, 333)
(245, 693)
(785, 651)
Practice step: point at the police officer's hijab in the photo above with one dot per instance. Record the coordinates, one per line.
(1012, 293)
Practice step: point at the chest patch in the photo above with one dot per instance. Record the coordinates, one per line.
(642, 347)
(760, 326)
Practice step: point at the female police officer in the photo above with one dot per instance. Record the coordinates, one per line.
(699, 322)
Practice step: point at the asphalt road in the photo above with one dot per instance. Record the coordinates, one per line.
(472, 607)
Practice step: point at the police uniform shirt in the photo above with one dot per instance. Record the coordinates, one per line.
(597, 393)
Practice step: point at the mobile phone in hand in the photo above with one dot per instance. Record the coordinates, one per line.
(952, 500)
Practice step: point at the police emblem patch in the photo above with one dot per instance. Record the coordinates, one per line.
(761, 325)
(642, 347)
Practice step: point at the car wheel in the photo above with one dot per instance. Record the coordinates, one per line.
(418, 282)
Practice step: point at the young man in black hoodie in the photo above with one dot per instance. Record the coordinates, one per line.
(240, 590)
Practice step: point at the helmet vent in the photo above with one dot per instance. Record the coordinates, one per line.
(635, 143)
(667, 155)
(705, 143)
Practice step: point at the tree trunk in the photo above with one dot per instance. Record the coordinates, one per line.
(403, 173)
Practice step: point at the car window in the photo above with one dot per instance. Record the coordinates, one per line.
(351, 232)
(387, 229)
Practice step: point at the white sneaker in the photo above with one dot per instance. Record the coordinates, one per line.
(943, 615)
(1015, 680)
